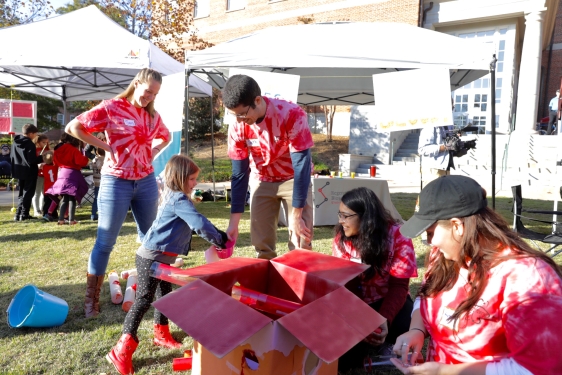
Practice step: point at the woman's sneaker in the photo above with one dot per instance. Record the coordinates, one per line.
(48, 218)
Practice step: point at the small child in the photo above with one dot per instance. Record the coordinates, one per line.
(50, 172)
(24, 162)
(70, 183)
(168, 237)
(95, 165)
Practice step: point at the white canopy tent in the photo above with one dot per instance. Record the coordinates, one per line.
(81, 55)
(85, 55)
(336, 61)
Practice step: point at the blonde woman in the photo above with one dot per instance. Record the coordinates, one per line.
(130, 124)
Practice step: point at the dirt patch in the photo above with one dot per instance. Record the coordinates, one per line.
(327, 152)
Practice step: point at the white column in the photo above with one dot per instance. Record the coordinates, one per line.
(529, 73)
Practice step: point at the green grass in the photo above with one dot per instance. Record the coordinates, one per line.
(54, 258)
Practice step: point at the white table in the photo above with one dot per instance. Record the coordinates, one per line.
(327, 193)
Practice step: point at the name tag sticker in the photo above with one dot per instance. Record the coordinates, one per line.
(129, 122)
(253, 142)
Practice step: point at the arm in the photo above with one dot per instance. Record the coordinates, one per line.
(395, 298)
(301, 161)
(239, 188)
(77, 130)
(160, 146)
(428, 145)
(199, 223)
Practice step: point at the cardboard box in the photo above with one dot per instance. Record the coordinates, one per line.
(232, 338)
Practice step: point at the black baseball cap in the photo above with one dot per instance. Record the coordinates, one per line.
(445, 198)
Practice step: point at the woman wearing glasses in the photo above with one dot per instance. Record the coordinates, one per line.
(367, 233)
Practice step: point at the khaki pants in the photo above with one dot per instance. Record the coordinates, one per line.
(265, 201)
(430, 174)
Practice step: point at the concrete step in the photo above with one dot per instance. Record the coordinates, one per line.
(405, 158)
(405, 153)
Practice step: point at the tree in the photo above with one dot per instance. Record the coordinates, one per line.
(79, 4)
(200, 117)
(16, 12)
(329, 111)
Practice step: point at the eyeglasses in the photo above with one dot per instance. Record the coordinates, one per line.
(344, 217)
(244, 115)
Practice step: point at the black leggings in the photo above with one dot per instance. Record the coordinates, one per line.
(68, 201)
(147, 288)
(401, 323)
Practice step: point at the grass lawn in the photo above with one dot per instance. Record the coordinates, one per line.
(54, 258)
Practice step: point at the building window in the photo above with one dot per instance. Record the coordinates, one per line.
(202, 8)
(235, 4)
(60, 118)
(472, 102)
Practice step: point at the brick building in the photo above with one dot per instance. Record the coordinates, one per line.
(220, 20)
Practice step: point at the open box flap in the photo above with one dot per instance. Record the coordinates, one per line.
(304, 276)
(332, 324)
(216, 320)
(225, 273)
(321, 265)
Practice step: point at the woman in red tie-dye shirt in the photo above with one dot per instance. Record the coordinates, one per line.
(489, 302)
(130, 124)
(368, 234)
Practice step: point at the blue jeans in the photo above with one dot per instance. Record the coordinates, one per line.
(95, 204)
(115, 197)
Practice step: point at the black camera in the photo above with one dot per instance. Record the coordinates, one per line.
(457, 146)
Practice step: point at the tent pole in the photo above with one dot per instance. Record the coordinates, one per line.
(186, 114)
(493, 124)
(213, 146)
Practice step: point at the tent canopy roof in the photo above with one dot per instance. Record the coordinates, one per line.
(81, 55)
(336, 61)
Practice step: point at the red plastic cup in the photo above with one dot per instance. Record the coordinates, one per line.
(181, 364)
(226, 253)
(373, 170)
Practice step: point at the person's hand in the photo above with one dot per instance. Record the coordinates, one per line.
(299, 227)
(40, 166)
(411, 341)
(427, 368)
(109, 152)
(232, 233)
(377, 338)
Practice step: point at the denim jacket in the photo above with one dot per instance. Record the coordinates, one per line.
(176, 219)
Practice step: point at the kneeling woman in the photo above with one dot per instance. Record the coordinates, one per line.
(489, 302)
(368, 234)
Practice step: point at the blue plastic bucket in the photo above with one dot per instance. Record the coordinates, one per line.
(32, 307)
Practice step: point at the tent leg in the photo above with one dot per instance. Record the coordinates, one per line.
(186, 114)
(493, 125)
(213, 148)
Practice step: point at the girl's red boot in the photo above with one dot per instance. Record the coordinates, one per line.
(162, 337)
(121, 356)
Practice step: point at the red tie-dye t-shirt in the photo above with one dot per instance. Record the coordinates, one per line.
(269, 143)
(517, 317)
(129, 131)
(401, 264)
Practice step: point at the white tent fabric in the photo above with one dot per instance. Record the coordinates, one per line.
(81, 55)
(336, 61)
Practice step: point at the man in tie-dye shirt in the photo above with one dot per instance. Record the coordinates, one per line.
(271, 139)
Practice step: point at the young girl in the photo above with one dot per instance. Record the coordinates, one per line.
(50, 173)
(70, 183)
(366, 233)
(169, 236)
(41, 145)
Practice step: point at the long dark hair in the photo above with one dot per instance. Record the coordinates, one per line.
(486, 234)
(372, 241)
